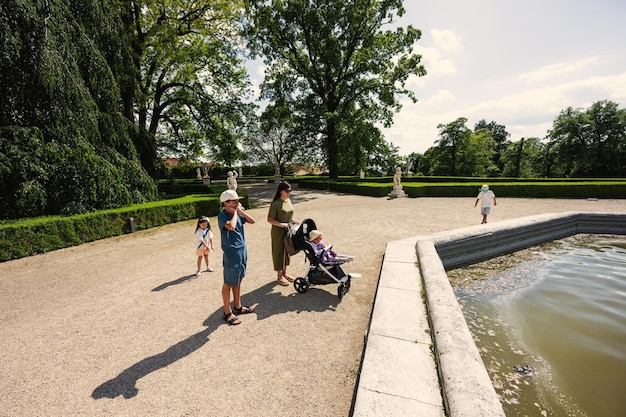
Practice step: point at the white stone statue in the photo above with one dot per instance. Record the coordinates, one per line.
(397, 187)
(205, 178)
(231, 181)
(198, 174)
(397, 176)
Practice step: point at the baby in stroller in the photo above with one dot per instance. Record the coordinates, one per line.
(323, 252)
(324, 263)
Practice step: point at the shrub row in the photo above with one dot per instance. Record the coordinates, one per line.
(185, 188)
(37, 235)
(42, 234)
(538, 189)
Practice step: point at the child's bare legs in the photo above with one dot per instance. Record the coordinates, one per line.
(199, 265)
(485, 212)
(206, 260)
(237, 295)
(228, 313)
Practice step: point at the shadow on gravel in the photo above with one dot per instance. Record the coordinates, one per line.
(177, 281)
(268, 303)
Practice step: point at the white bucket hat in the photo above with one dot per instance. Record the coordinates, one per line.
(229, 195)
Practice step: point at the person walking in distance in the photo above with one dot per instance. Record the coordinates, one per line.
(487, 198)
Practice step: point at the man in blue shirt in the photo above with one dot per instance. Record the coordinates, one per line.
(235, 257)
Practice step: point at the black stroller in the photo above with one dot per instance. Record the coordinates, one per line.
(319, 273)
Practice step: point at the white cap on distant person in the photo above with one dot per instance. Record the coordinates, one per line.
(229, 195)
(485, 187)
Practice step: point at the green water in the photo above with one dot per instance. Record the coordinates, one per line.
(552, 331)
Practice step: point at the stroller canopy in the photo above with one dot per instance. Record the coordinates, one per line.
(300, 235)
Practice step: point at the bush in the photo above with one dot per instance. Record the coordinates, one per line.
(27, 237)
(601, 188)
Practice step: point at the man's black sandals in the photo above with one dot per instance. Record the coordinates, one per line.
(243, 310)
(231, 319)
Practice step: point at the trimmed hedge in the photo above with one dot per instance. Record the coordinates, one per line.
(482, 180)
(28, 237)
(186, 188)
(42, 234)
(529, 189)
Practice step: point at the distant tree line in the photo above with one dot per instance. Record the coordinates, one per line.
(582, 143)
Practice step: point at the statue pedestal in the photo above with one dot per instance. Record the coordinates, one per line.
(206, 180)
(397, 192)
(277, 178)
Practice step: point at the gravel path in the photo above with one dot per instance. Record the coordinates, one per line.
(122, 327)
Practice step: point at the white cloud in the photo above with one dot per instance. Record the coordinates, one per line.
(538, 103)
(446, 39)
(441, 96)
(439, 59)
(555, 71)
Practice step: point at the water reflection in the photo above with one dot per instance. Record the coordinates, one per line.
(551, 326)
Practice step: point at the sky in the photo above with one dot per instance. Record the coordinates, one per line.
(517, 63)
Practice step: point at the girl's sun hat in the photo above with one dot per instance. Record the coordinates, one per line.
(485, 187)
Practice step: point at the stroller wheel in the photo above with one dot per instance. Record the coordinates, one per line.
(301, 285)
(347, 285)
(341, 290)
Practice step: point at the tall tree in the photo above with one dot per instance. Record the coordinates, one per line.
(607, 140)
(524, 159)
(64, 145)
(329, 57)
(568, 142)
(190, 79)
(589, 142)
(500, 139)
(278, 140)
(452, 139)
(475, 155)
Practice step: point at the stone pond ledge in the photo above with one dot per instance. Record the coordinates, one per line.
(420, 358)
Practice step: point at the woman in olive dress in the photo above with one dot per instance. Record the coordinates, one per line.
(280, 215)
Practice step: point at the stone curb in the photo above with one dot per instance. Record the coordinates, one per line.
(399, 374)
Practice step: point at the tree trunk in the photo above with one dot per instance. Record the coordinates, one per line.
(333, 149)
(518, 159)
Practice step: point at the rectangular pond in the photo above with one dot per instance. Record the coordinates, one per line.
(550, 325)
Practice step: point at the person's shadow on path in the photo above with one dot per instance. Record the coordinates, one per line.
(177, 281)
(269, 303)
